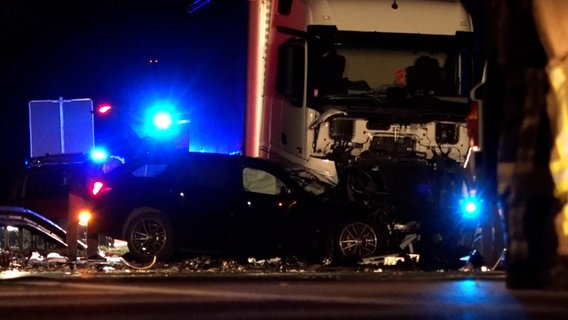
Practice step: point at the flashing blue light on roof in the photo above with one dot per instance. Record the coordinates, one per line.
(163, 120)
(99, 155)
(160, 121)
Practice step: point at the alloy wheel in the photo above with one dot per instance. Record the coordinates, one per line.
(148, 237)
(357, 240)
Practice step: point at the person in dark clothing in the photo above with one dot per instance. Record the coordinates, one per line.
(520, 143)
(425, 77)
(78, 201)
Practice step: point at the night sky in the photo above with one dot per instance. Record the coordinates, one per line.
(100, 49)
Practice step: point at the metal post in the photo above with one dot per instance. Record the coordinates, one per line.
(61, 125)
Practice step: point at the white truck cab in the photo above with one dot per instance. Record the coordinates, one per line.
(341, 81)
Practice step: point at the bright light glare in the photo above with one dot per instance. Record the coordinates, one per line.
(164, 125)
(103, 109)
(97, 186)
(84, 217)
(163, 120)
(99, 155)
(470, 208)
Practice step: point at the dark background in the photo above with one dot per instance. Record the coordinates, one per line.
(100, 49)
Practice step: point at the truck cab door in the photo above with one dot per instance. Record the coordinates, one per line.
(290, 83)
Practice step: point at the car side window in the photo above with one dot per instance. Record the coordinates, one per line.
(213, 174)
(45, 185)
(260, 181)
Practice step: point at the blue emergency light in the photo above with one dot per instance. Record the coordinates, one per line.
(162, 120)
(470, 207)
(98, 155)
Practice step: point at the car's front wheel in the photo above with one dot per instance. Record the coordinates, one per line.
(149, 234)
(357, 240)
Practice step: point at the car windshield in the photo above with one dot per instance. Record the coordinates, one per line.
(308, 180)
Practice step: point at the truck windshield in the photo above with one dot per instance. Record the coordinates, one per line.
(377, 69)
(363, 62)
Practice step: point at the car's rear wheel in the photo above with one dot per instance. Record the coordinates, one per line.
(149, 235)
(357, 240)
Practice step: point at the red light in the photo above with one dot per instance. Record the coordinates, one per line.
(105, 108)
(97, 186)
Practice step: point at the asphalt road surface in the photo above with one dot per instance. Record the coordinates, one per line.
(321, 296)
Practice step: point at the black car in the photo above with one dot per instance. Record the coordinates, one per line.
(214, 203)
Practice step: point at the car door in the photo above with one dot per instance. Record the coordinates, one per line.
(210, 185)
(260, 220)
(44, 190)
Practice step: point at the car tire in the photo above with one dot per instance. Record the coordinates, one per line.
(149, 234)
(356, 240)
